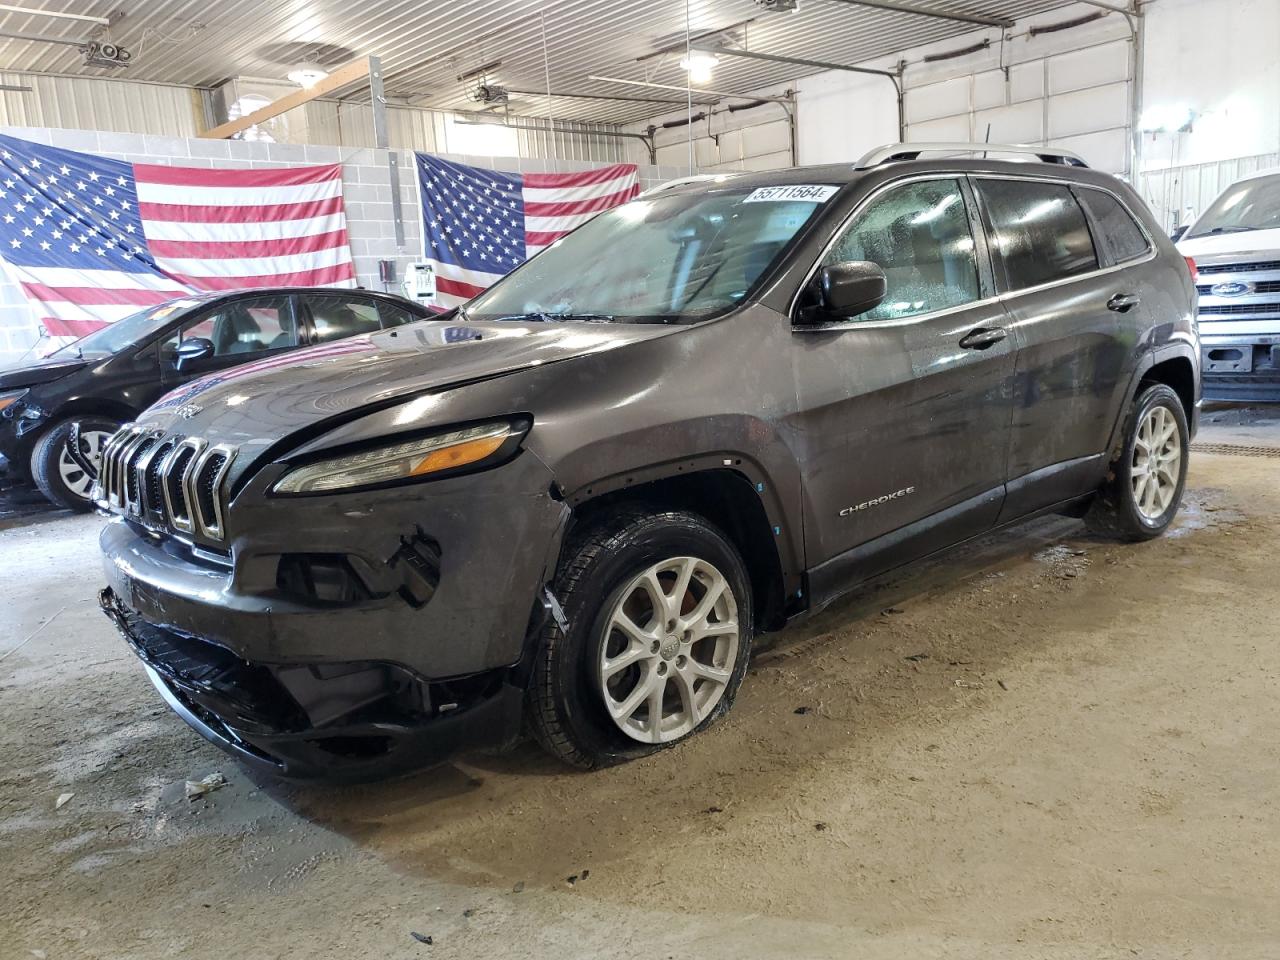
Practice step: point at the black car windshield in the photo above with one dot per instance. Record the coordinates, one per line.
(1252, 204)
(670, 258)
(115, 337)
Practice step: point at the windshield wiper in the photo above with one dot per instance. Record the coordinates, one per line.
(1233, 229)
(542, 317)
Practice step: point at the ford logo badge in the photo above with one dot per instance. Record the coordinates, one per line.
(1232, 288)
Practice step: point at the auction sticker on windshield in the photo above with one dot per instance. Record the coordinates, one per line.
(814, 193)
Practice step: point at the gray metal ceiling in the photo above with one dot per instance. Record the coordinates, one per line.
(425, 45)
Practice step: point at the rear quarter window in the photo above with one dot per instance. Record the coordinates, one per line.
(1119, 232)
(1039, 231)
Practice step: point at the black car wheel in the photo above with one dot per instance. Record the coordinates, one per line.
(1145, 482)
(660, 624)
(66, 476)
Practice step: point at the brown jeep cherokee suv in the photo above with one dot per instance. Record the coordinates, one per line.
(569, 505)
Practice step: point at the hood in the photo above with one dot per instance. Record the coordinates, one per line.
(259, 403)
(1265, 244)
(39, 371)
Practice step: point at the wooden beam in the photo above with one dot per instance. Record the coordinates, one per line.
(342, 77)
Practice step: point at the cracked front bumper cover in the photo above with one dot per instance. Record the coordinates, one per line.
(247, 711)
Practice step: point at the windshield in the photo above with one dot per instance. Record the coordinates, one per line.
(115, 337)
(1248, 205)
(661, 259)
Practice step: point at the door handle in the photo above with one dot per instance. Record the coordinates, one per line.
(1123, 302)
(982, 337)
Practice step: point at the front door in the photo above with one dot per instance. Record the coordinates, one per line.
(904, 411)
(240, 330)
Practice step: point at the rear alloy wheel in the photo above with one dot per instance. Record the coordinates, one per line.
(1145, 480)
(659, 616)
(64, 476)
(1156, 469)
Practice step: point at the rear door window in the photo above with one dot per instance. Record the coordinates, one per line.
(1116, 228)
(337, 316)
(919, 235)
(394, 315)
(1039, 231)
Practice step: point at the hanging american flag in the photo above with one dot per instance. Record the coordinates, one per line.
(91, 240)
(480, 224)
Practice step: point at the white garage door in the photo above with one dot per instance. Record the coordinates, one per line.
(1078, 100)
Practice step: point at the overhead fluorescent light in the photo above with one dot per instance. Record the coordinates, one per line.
(700, 65)
(307, 74)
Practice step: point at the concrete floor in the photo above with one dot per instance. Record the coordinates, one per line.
(1041, 745)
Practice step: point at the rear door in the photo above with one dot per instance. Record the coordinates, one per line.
(1075, 345)
(904, 411)
(340, 314)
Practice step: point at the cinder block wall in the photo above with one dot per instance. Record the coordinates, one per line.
(366, 188)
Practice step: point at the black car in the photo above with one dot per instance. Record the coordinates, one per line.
(57, 413)
(699, 416)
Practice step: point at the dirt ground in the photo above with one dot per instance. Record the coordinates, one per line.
(1042, 745)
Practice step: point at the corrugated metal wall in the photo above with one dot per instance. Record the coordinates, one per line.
(122, 106)
(75, 103)
(350, 124)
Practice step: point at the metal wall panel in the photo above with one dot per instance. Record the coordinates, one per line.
(76, 103)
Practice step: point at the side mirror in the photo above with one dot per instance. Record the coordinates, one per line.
(192, 350)
(1179, 231)
(847, 289)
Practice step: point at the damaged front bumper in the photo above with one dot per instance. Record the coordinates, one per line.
(386, 722)
(347, 637)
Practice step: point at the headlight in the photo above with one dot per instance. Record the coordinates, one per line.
(7, 400)
(438, 454)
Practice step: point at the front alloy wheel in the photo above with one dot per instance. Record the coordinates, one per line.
(659, 613)
(670, 648)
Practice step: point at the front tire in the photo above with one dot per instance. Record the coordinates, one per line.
(1146, 480)
(62, 477)
(660, 625)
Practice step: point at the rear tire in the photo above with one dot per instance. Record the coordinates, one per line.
(637, 672)
(1146, 480)
(58, 476)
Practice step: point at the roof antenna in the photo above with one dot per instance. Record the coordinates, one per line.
(987, 140)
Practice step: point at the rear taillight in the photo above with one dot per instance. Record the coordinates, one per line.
(1191, 265)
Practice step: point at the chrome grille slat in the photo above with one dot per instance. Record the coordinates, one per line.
(166, 481)
(132, 478)
(178, 467)
(1255, 267)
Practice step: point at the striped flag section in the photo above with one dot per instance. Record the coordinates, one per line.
(480, 224)
(91, 240)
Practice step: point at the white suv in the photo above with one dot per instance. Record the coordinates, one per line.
(1236, 247)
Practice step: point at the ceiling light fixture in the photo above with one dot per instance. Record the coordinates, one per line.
(700, 66)
(307, 74)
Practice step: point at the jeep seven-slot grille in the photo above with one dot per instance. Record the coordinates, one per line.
(174, 482)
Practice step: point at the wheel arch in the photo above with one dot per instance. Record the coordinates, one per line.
(88, 406)
(727, 493)
(1174, 365)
